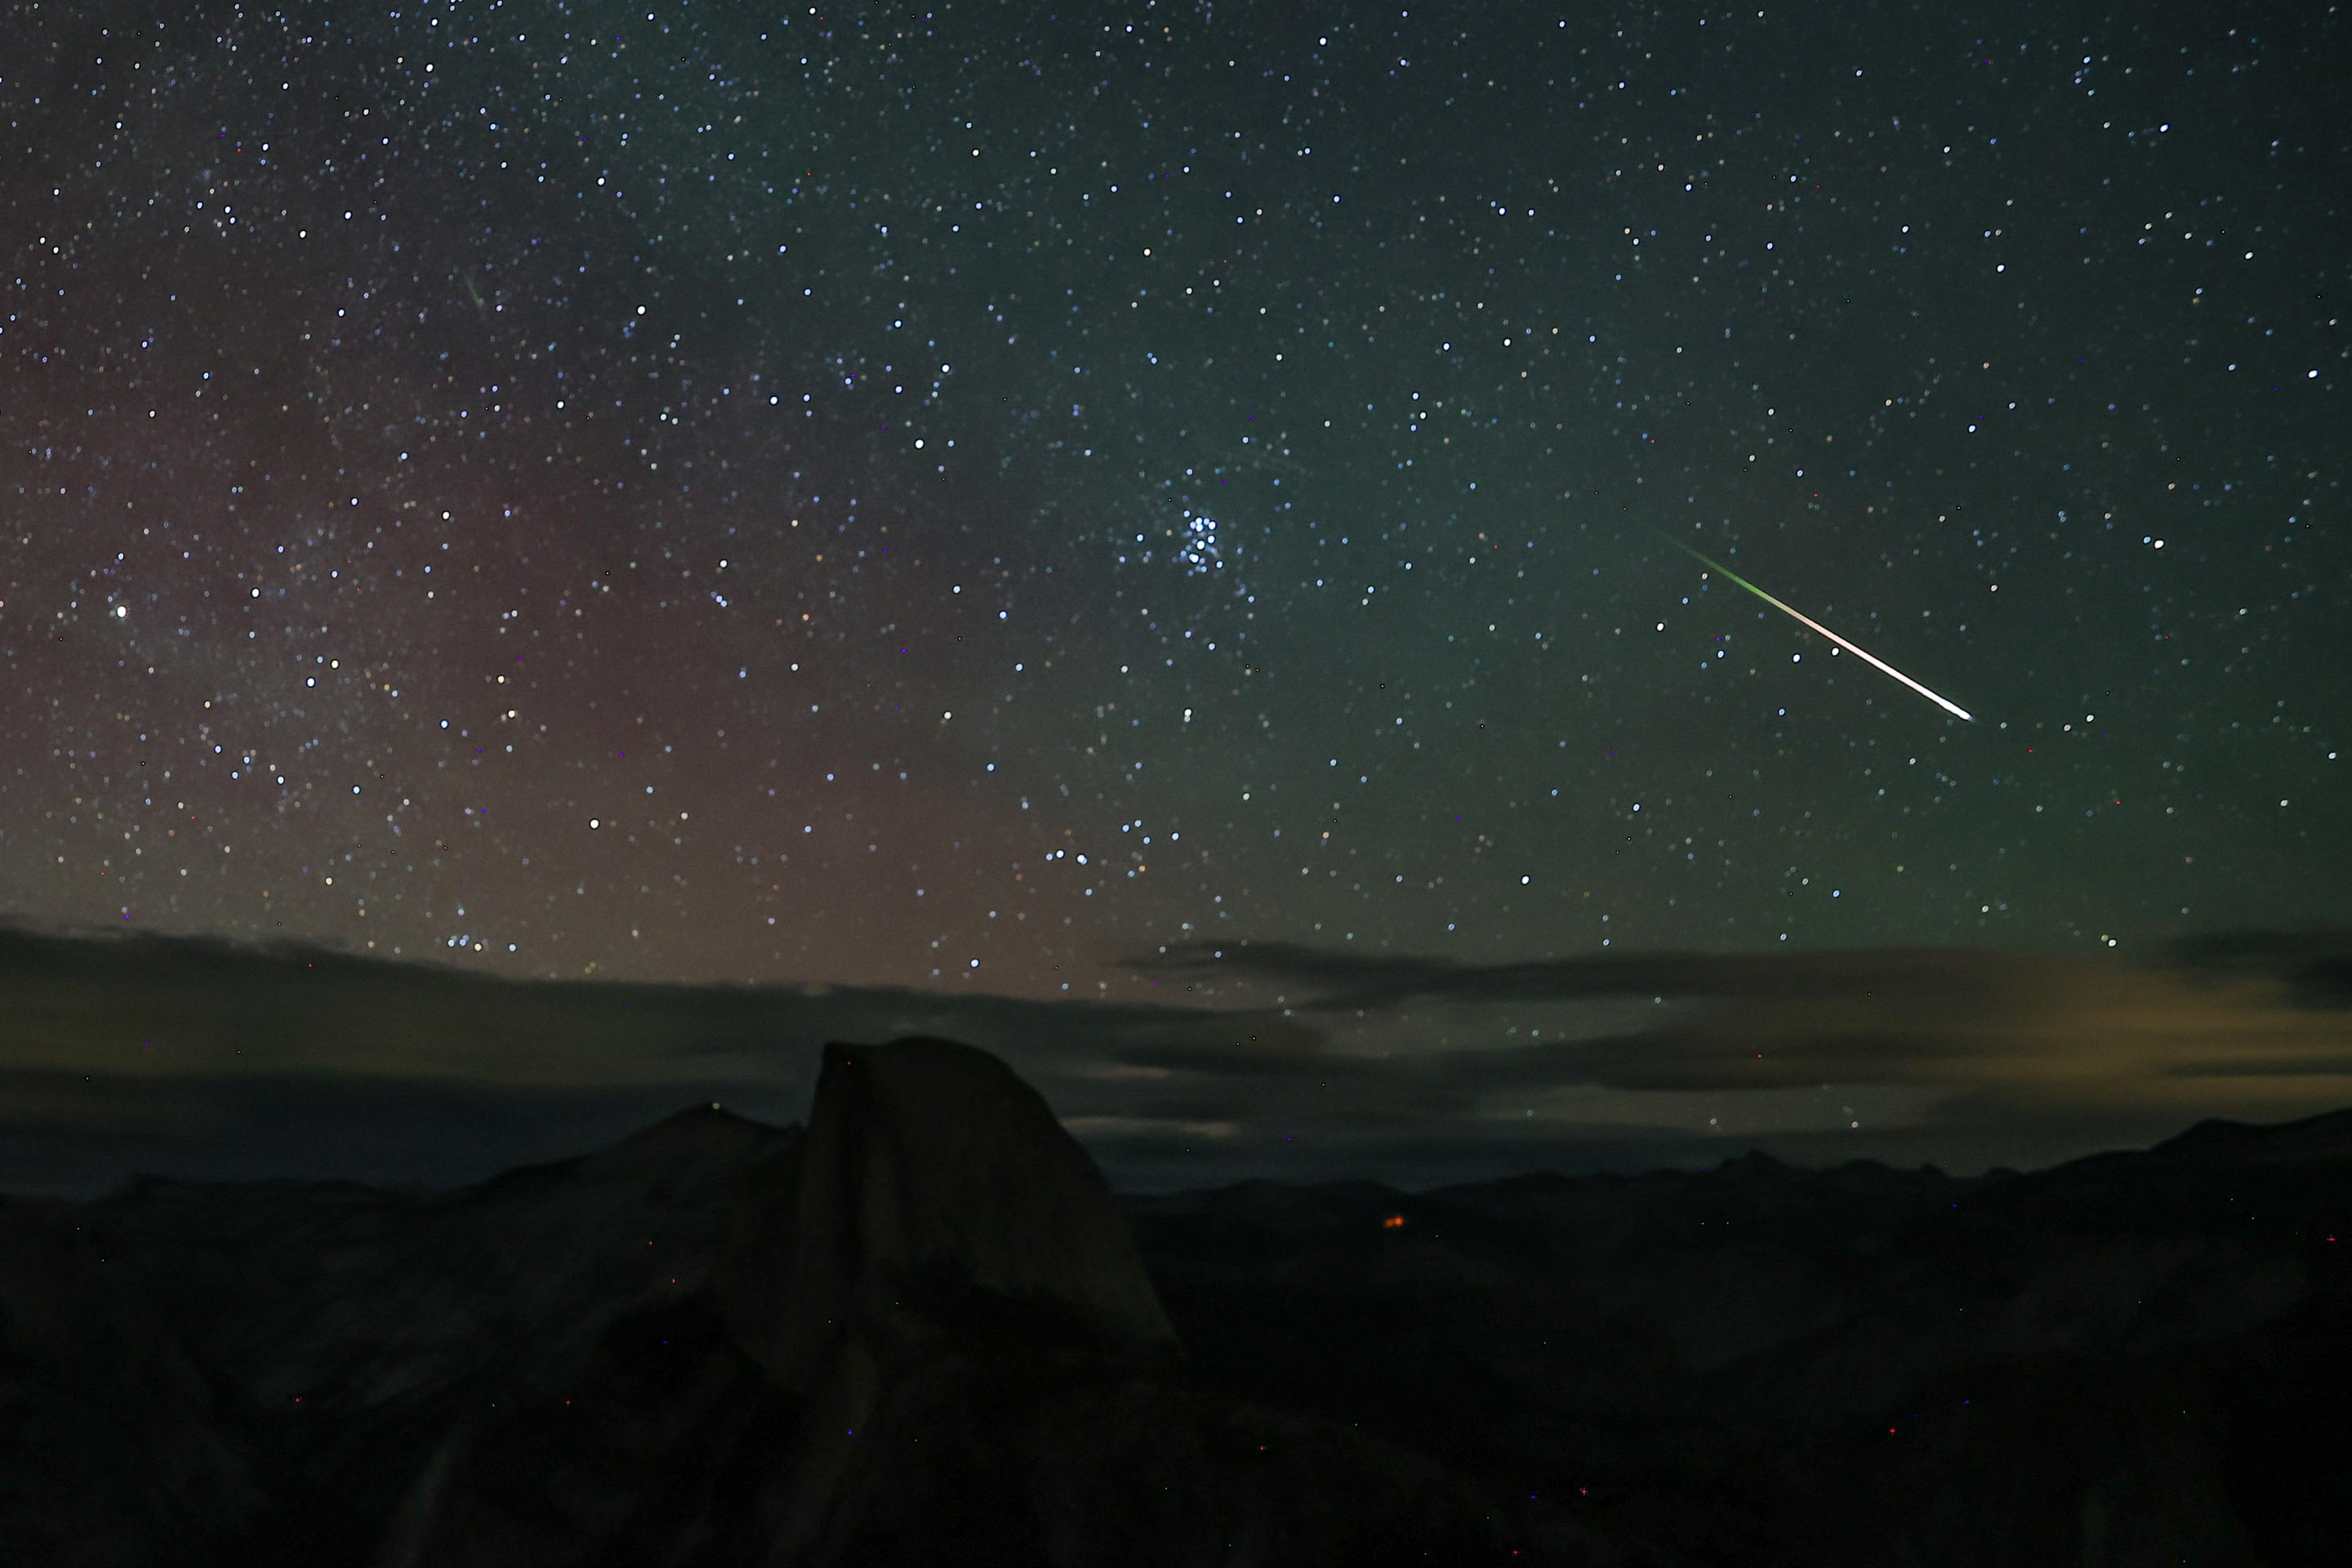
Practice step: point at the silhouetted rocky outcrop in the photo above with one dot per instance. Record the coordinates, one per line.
(929, 1170)
(923, 1331)
(936, 1225)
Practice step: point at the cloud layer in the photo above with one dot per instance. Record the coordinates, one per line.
(152, 1054)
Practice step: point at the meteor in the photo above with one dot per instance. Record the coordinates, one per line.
(1952, 708)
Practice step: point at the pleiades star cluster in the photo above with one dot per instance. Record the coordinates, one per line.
(960, 495)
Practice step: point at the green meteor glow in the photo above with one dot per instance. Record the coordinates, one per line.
(1947, 706)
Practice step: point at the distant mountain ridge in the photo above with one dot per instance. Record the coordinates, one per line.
(2327, 1136)
(2134, 1357)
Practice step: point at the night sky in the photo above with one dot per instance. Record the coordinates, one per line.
(960, 498)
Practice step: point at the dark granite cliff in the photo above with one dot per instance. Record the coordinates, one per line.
(923, 1330)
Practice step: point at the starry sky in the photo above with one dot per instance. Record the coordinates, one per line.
(963, 497)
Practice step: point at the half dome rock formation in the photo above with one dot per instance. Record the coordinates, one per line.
(932, 1184)
(935, 1230)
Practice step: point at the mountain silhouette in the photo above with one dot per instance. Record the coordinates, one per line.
(922, 1329)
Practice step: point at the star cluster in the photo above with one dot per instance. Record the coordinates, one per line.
(934, 496)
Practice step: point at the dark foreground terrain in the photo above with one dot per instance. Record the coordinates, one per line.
(921, 1330)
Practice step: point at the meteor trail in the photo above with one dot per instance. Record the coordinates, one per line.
(1952, 708)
